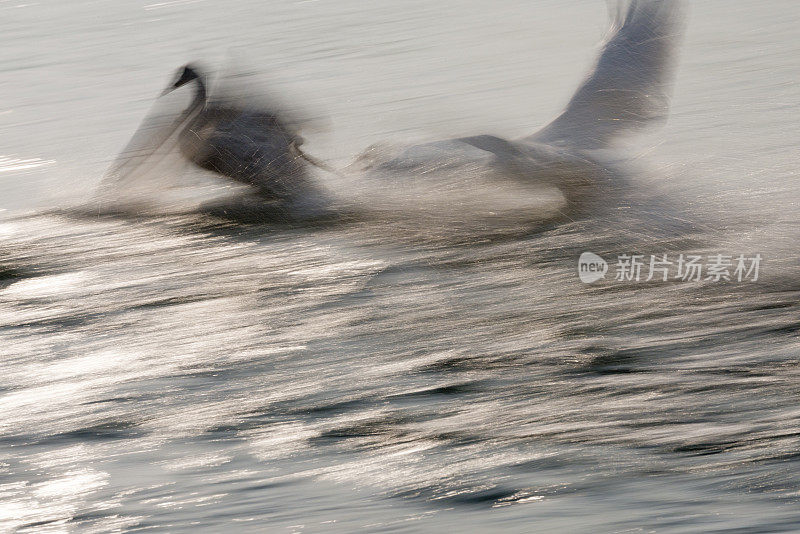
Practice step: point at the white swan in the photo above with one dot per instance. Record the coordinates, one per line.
(627, 91)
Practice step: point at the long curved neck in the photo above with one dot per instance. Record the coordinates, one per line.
(194, 112)
(192, 121)
(200, 96)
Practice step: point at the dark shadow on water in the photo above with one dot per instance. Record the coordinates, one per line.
(111, 430)
(9, 275)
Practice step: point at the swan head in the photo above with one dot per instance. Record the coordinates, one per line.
(184, 75)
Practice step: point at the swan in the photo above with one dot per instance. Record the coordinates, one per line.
(250, 144)
(628, 91)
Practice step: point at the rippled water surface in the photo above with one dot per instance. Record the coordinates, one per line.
(409, 370)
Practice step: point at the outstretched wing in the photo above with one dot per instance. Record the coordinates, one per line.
(244, 89)
(152, 144)
(630, 86)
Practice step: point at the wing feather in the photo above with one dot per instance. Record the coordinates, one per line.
(630, 86)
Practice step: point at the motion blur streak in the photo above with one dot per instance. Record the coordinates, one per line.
(170, 370)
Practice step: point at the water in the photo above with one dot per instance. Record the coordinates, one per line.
(397, 372)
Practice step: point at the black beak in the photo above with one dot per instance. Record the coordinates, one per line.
(185, 75)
